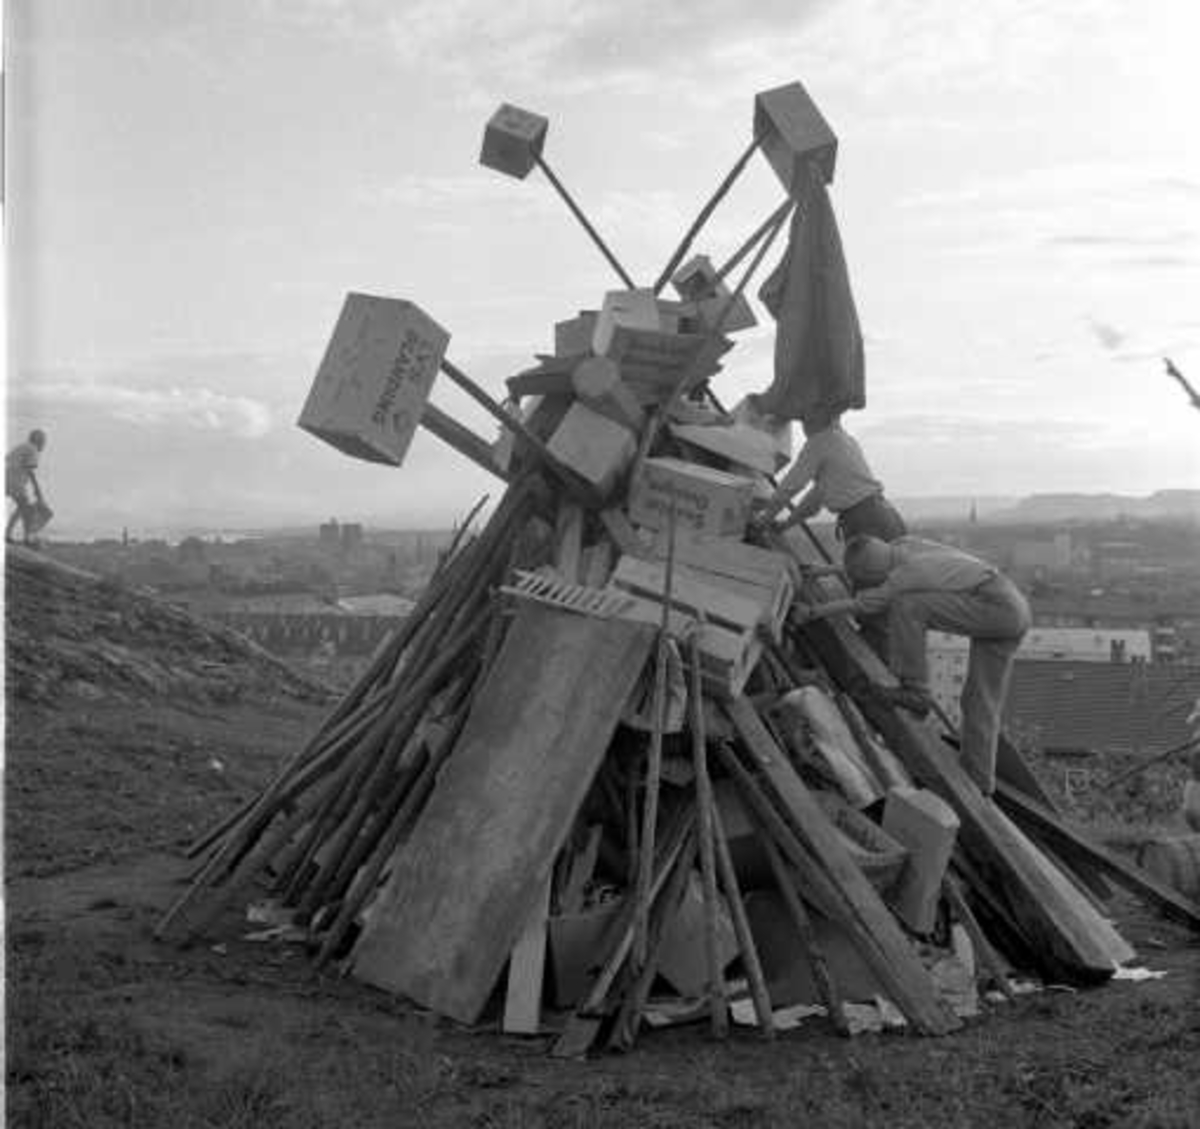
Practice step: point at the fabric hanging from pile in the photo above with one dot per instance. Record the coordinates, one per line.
(819, 365)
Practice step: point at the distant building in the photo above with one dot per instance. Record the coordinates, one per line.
(352, 535)
(1114, 559)
(1053, 555)
(948, 654)
(330, 534)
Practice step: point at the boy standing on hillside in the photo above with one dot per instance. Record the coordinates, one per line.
(20, 474)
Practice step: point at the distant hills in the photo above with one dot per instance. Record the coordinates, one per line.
(1050, 508)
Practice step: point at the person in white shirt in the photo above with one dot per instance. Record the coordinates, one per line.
(924, 585)
(832, 465)
(20, 476)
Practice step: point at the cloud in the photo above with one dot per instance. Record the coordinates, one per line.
(198, 409)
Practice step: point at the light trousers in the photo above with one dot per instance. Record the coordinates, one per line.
(995, 617)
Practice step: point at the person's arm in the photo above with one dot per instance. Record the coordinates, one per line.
(37, 490)
(869, 601)
(799, 475)
(806, 613)
(808, 506)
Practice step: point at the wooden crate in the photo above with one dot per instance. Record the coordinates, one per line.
(377, 372)
(706, 501)
(736, 605)
(793, 133)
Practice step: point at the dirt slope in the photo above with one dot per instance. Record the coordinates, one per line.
(129, 723)
(74, 635)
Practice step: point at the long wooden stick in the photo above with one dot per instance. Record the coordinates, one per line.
(700, 220)
(984, 949)
(654, 759)
(577, 212)
(741, 927)
(666, 906)
(718, 1004)
(826, 985)
(753, 239)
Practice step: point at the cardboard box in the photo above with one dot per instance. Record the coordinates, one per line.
(375, 378)
(706, 501)
(785, 963)
(594, 446)
(684, 960)
(577, 949)
(573, 337)
(793, 133)
(735, 607)
(513, 140)
(697, 282)
(630, 309)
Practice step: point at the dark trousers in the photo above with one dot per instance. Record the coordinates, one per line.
(995, 617)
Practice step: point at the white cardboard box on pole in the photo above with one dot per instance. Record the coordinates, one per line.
(367, 397)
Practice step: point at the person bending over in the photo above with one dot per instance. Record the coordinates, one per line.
(923, 585)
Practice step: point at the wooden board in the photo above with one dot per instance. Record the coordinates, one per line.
(891, 955)
(526, 968)
(1068, 945)
(464, 885)
(1047, 826)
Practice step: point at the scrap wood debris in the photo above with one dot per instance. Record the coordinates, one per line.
(598, 763)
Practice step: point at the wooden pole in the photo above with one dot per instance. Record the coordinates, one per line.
(577, 212)
(572, 482)
(718, 1004)
(741, 927)
(983, 947)
(654, 760)
(826, 985)
(752, 240)
(702, 218)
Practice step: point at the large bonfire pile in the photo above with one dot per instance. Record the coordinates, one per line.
(597, 771)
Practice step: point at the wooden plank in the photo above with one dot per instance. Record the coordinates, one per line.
(465, 882)
(1064, 939)
(1048, 827)
(462, 439)
(526, 966)
(892, 956)
(568, 535)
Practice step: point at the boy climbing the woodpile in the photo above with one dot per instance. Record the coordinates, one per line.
(831, 464)
(924, 585)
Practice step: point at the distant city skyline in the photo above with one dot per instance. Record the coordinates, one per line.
(192, 189)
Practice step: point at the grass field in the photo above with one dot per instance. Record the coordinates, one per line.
(107, 1027)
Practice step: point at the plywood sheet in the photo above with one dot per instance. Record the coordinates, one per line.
(467, 880)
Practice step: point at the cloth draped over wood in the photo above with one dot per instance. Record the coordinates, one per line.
(819, 363)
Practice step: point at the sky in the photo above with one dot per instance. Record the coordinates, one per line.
(193, 187)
